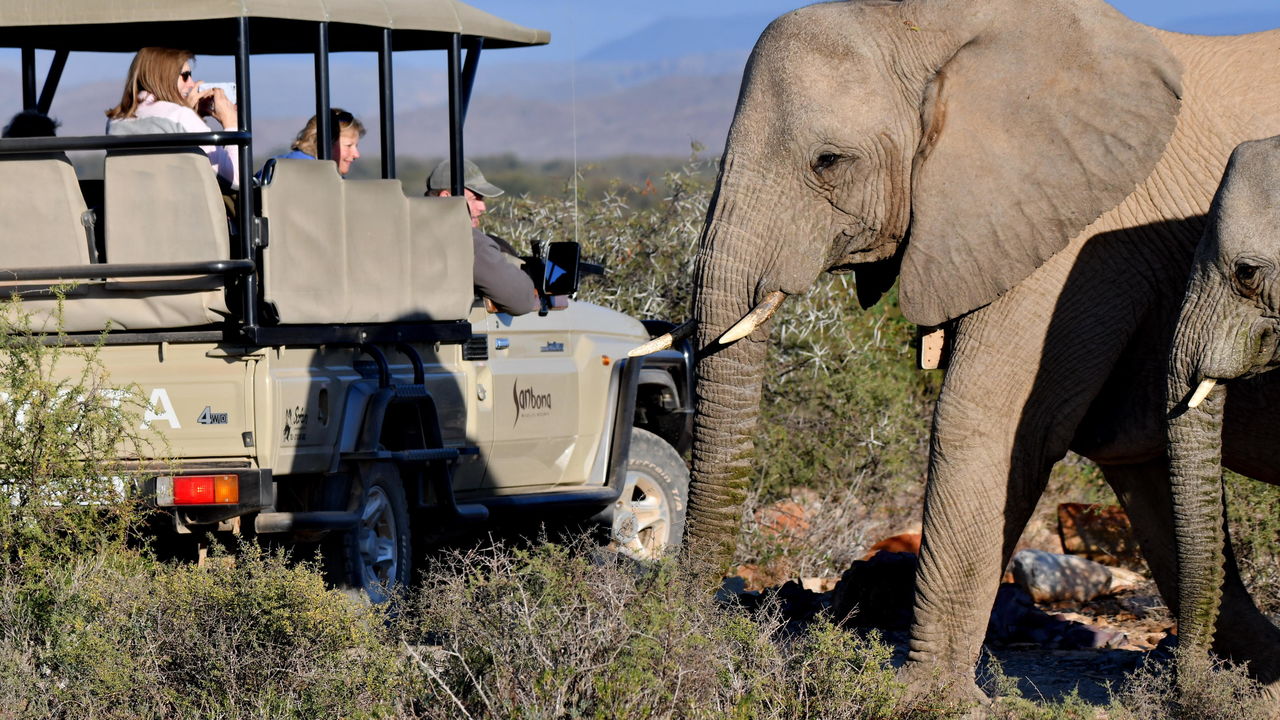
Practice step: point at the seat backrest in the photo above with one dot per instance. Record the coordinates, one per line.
(359, 251)
(42, 213)
(305, 263)
(163, 207)
(377, 224)
(441, 257)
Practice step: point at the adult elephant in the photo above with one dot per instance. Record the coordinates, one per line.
(1228, 330)
(1035, 174)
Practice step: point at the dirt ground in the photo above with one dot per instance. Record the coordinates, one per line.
(1043, 671)
(1052, 674)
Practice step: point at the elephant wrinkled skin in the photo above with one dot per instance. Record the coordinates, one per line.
(1227, 331)
(1038, 174)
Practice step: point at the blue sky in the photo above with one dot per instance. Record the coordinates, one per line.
(581, 29)
(578, 26)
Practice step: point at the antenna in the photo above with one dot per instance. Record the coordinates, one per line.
(573, 107)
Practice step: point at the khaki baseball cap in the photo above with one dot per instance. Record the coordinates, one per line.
(472, 179)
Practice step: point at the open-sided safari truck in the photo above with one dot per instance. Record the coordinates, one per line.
(316, 360)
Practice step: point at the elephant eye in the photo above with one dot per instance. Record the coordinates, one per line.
(1246, 274)
(824, 161)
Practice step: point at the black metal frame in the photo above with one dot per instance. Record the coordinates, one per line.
(242, 270)
(127, 270)
(386, 107)
(324, 122)
(158, 141)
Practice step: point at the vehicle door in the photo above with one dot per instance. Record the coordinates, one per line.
(531, 385)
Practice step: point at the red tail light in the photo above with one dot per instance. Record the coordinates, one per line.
(206, 490)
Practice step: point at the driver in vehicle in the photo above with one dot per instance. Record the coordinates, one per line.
(497, 276)
(160, 95)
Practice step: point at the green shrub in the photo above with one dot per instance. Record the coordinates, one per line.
(123, 636)
(1207, 690)
(63, 425)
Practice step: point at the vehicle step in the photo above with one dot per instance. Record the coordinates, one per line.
(408, 455)
(411, 391)
(425, 455)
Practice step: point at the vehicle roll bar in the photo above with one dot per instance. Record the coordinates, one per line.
(157, 141)
(249, 248)
(127, 270)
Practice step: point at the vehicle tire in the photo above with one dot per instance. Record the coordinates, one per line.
(376, 556)
(648, 519)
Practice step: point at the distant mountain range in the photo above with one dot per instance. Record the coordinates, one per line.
(709, 35)
(625, 98)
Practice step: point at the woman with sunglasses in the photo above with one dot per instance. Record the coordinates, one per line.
(160, 85)
(346, 131)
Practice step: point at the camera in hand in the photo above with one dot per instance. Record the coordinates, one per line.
(228, 89)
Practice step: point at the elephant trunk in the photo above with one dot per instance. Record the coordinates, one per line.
(1195, 467)
(728, 401)
(1195, 461)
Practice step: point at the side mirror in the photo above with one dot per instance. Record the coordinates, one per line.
(560, 269)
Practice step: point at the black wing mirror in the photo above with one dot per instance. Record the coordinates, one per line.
(557, 272)
(560, 269)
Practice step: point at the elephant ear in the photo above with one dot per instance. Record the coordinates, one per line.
(1048, 114)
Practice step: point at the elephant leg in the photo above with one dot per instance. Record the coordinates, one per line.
(1024, 372)
(987, 469)
(1251, 447)
(1242, 633)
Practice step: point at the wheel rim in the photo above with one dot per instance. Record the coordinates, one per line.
(649, 521)
(377, 542)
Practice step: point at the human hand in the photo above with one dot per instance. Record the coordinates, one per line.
(214, 103)
(224, 110)
(195, 95)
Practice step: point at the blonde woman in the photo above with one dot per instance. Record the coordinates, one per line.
(346, 131)
(160, 85)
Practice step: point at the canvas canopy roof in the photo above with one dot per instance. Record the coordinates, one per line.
(276, 26)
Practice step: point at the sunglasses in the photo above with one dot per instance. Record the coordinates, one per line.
(342, 117)
(185, 75)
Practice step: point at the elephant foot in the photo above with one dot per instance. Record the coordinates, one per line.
(932, 688)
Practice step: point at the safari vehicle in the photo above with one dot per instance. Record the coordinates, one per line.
(319, 366)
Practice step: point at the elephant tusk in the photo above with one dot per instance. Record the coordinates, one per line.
(662, 342)
(1201, 392)
(758, 316)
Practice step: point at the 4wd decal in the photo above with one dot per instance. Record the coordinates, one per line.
(529, 402)
(209, 417)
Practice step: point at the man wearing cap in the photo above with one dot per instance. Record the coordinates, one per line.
(497, 275)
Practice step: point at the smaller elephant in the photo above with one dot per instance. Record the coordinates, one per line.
(1228, 330)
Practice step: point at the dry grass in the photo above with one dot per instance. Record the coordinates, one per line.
(569, 632)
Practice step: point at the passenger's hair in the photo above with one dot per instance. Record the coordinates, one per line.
(30, 123)
(339, 120)
(155, 70)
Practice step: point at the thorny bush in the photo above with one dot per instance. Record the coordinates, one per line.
(568, 632)
(63, 427)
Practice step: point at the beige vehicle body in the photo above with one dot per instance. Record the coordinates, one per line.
(321, 346)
